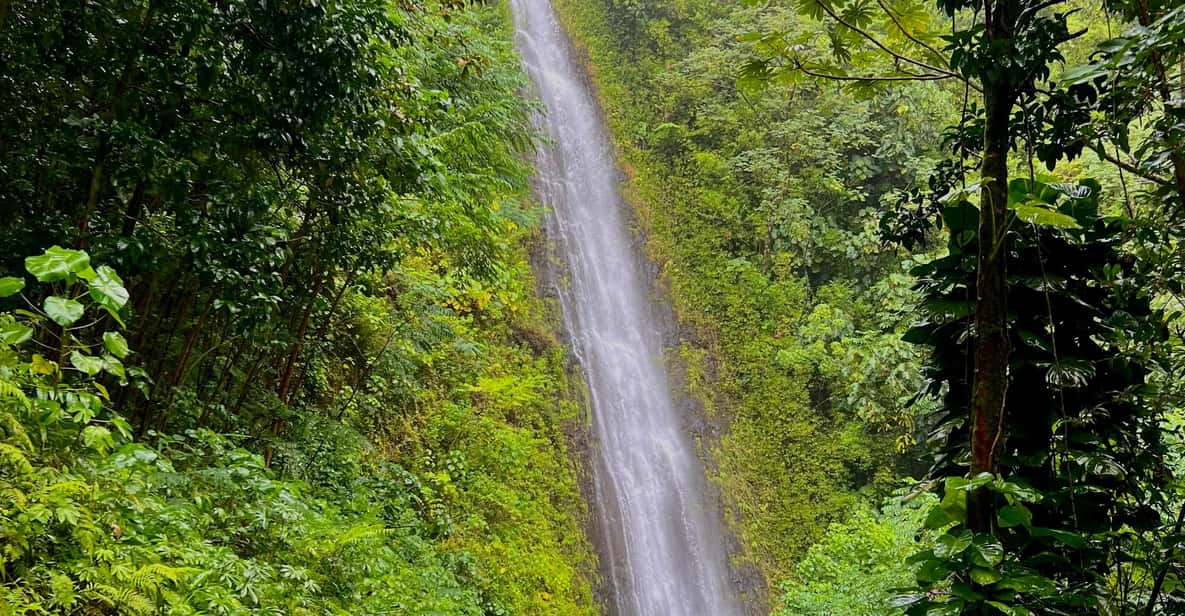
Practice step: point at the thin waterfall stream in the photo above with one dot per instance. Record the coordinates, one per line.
(661, 538)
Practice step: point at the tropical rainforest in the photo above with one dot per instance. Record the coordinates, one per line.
(273, 338)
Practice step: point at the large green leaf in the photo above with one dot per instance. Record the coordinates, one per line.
(58, 263)
(107, 289)
(15, 333)
(63, 310)
(1045, 217)
(950, 545)
(987, 552)
(114, 367)
(116, 344)
(1015, 515)
(984, 577)
(85, 363)
(10, 285)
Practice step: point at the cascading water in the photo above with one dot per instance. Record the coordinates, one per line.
(661, 540)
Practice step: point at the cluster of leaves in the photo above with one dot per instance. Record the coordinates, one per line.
(852, 568)
(1080, 499)
(94, 521)
(1044, 316)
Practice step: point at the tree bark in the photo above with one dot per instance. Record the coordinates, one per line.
(298, 341)
(990, 380)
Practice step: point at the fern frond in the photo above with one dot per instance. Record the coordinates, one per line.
(14, 431)
(151, 576)
(10, 390)
(14, 458)
(126, 600)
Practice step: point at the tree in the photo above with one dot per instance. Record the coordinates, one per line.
(1006, 52)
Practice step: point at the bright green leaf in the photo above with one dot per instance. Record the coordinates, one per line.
(984, 577)
(114, 367)
(107, 289)
(98, 438)
(63, 310)
(11, 285)
(1045, 217)
(15, 333)
(57, 263)
(116, 344)
(86, 363)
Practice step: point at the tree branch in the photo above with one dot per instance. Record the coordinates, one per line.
(1036, 8)
(871, 78)
(908, 35)
(872, 39)
(1126, 166)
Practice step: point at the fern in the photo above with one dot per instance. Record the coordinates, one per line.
(14, 430)
(152, 576)
(13, 458)
(10, 391)
(126, 600)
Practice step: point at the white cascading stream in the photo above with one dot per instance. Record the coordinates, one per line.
(661, 539)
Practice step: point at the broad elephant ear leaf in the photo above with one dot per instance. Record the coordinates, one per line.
(86, 364)
(116, 344)
(57, 264)
(63, 310)
(11, 285)
(15, 333)
(106, 288)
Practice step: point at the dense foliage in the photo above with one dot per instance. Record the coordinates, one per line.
(1050, 395)
(764, 213)
(1045, 315)
(310, 375)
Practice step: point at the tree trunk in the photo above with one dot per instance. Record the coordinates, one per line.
(190, 340)
(132, 214)
(990, 381)
(92, 201)
(324, 327)
(298, 341)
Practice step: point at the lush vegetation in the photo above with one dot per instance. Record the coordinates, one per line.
(270, 342)
(268, 338)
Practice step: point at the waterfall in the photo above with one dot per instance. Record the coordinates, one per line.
(661, 539)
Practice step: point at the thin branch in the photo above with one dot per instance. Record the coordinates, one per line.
(1126, 166)
(1036, 8)
(870, 78)
(908, 35)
